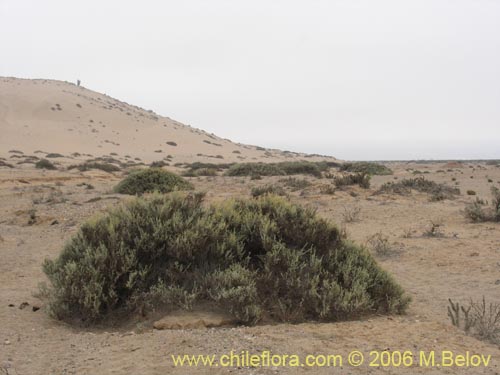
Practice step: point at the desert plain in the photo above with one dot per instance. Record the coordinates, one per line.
(41, 209)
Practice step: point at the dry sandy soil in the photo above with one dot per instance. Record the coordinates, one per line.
(463, 263)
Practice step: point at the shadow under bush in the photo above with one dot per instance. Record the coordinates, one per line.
(253, 257)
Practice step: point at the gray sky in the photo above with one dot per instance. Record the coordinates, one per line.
(356, 79)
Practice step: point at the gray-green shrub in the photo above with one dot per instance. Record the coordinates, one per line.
(150, 180)
(45, 164)
(249, 256)
(366, 167)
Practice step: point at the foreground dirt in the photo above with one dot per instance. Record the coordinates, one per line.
(463, 263)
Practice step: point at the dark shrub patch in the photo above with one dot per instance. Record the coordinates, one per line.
(366, 167)
(106, 167)
(150, 180)
(250, 257)
(45, 164)
(278, 169)
(54, 155)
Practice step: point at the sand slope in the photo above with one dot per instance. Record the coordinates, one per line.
(60, 117)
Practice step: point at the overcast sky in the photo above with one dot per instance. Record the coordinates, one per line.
(356, 79)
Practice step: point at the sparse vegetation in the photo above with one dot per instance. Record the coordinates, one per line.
(380, 245)
(258, 191)
(295, 183)
(4, 164)
(351, 214)
(150, 180)
(471, 192)
(434, 230)
(327, 189)
(480, 319)
(362, 179)
(405, 186)
(250, 257)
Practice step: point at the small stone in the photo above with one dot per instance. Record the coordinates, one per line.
(6, 342)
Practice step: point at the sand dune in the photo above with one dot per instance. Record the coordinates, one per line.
(61, 117)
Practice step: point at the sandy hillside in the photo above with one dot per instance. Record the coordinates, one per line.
(46, 116)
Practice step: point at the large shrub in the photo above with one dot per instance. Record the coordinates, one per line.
(249, 256)
(150, 180)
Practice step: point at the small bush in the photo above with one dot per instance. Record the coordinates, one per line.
(250, 257)
(87, 166)
(150, 180)
(366, 167)
(257, 191)
(380, 245)
(170, 143)
(480, 319)
(327, 189)
(476, 213)
(434, 230)
(471, 192)
(351, 215)
(362, 179)
(45, 164)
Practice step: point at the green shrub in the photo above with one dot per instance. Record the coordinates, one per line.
(362, 179)
(248, 256)
(366, 167)
(250, 169)
(45, 164)
(150, 180)
(106, 167)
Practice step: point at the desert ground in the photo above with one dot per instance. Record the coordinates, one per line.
(42, 209)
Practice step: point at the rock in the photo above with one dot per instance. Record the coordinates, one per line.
(194, 320)
(6, 342)
(36, 306)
